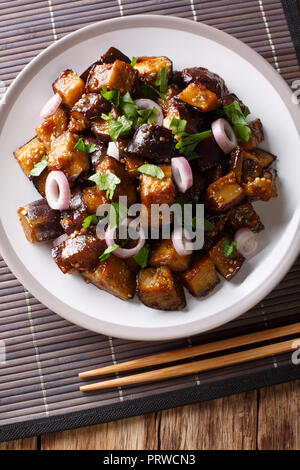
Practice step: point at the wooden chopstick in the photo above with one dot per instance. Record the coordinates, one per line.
(179, 354)
(197, 366)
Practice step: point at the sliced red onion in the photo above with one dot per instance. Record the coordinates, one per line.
(145, 103)
(113, 150)
(51, 106)
(59, 240)
(182, 173)
(247, 242)
(123, 252)
(224, 135)
(58, 193)
(182, 242)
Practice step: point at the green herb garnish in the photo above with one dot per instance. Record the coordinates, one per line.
(162, 79)
(133, 61)
(177, 126)
(113, 96)
(128, 106)
(106, 254)
(90, 220)
(107, 182)
(39, 167)
(188, 142)
(142, 257)
(151, 170)
(229, 249)
(147, 115)
(117, 214)
(122, 126)
(106, 117)
(150, 92)
(89, 148)
(238, 119)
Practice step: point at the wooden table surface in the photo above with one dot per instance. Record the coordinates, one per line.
(265, 419)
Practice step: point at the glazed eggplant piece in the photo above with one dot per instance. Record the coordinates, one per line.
(164, 254)
(117, 76)
(243, 216)
(80, 251)
(132, 162)
(72, 218)
(63, 156)
(256, 136)
(159, 288)
(171, 92)
(218, 223)
(70, 87)
(153, 143)
(212, 81)
(213, 174)
(263, 188)
(230, 98)
(193, 117)
(197, 95)
(90, 105)
(210, 154)
(201, 278)
(194, 192)
(93, 198)
(39, 221)
(224, 194)
(251, 168)
(30, 154)
(236, 163)
(148, 67)
(114, 276)
(228, 267)
(40, 182)
(101, 127)
(264, 158)
(52, 127)
(113, 54)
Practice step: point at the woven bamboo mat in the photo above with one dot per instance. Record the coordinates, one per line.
(39, 388)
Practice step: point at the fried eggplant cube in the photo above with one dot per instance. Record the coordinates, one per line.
(153, 143)
(148, 67)
(251, 168)
(156, 191)
(80, 251)
(263, 188)
(212, 81)
(113, 54)
(114, 276)
(126, 187)
(217, 222)
(264, 158)
(132, 162)
(194, 118)
(63, 156)
(73, 218)
(40, 181)
(39, 221)
(101, 127)
(164, 254)
(210, 154)
(30, 154)
(242, 216)
(89, 107)
(159, 288)
(201, 278)
(227, 266)
(70, 87)
(196, 94)
(52, 127)
(224, 194)
(117, 76)
(256, 136)
(236, 163)
(93, 198)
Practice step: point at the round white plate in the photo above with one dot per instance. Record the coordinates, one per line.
(187, 44)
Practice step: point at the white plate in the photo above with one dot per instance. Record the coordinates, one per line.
(187, 44)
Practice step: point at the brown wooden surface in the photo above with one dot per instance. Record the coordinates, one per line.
(266, 419)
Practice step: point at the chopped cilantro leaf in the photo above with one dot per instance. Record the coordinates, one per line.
(107, 182)
(39, 167)
(142, 257)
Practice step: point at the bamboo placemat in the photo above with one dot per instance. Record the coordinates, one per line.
(39, 388)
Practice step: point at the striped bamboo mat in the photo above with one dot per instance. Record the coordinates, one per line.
(39, 388)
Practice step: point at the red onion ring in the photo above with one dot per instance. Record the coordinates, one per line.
(58, 193)
(247, 242)
(123, 252)
(59, 240)
(182, 173)
(224, 135)
(180, 239)
(51, 106)
(113, 150)
(145, 103)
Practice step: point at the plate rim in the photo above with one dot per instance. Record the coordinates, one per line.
(289, 255)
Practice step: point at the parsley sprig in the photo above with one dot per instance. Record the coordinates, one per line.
(39, 167)
(107, 182)
(238, 119)
(113, 96)
(89, 148)
(151, 170)
(229, 248)
(142, 256)
(162, 79)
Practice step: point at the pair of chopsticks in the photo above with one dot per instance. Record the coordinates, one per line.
(196, 366)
